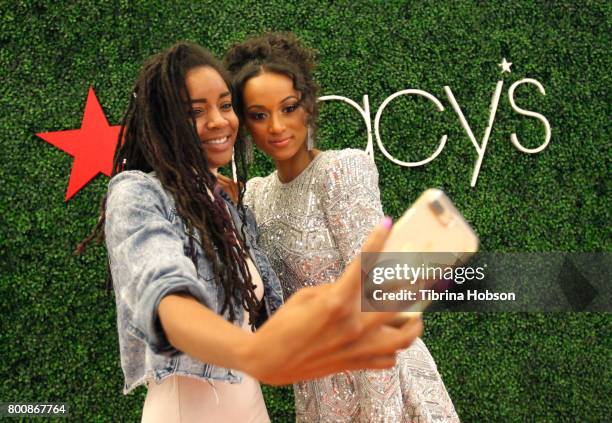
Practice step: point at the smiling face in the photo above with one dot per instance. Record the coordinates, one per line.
(275, 117)
(216, 122)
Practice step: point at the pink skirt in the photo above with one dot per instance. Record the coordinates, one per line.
(185, 399)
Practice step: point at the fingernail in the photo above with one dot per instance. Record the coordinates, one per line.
(387, 222)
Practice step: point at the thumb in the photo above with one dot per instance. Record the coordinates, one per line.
(378, 236)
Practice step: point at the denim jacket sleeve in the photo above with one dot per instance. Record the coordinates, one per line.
(147, 255)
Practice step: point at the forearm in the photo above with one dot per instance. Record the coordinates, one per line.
(201, 333)
(319, 331)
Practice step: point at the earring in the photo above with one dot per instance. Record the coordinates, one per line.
(248, 146)
(309, 140)
(234, 172)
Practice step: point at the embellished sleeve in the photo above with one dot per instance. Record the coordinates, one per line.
(251, 198)
(147, 257)
(252, 192)
(351, 200)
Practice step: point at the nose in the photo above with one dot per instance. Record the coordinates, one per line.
(276, 125)
(215, 119)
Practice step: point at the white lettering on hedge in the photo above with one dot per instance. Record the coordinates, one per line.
(377, 131)
(480, 149)
(523, 112)
(365, 114)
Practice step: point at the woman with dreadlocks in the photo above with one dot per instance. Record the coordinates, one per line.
(186, 270)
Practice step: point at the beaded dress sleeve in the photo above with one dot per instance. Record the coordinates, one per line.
(351, 200)
(352, 207)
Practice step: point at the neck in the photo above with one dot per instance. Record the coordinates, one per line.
(291, 168)
(214, 171)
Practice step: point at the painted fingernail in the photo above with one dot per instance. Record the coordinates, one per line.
(387, 222)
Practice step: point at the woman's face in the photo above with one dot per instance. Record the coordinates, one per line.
(216, 122)
(274, 116)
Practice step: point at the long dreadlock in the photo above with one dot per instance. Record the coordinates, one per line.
(158, 133)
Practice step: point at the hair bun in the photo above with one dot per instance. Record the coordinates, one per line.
(270, 47)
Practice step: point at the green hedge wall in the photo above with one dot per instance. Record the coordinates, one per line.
(58, 334)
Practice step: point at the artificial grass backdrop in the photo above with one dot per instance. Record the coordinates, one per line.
(57, 332)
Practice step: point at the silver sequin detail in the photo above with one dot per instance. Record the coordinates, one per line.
(311, 228)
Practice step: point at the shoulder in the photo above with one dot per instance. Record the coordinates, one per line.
(133, 178)
(348, 154)
(136, 187)
(254, 188)
(346, 158)
(350, 163)
(254, 184)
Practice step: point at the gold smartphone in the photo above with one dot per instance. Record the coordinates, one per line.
(432, 224)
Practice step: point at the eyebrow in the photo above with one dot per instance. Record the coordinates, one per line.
(254, 106)
(203, 100)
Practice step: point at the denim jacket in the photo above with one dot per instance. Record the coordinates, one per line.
(148, 253)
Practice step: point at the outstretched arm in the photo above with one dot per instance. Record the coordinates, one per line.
(319, 331)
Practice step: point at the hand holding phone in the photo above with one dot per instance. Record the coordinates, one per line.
(432, 224)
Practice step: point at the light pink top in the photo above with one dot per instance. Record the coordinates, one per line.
(186, 399)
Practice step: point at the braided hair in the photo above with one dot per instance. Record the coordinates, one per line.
(276, 52)
(158, 133)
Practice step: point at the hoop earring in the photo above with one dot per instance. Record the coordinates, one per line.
(309, 139)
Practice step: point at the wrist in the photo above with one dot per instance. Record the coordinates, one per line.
(245, 355)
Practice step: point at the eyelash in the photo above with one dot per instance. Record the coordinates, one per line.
(258, 116)
(287, 109)
(226, 107)
(291, 108)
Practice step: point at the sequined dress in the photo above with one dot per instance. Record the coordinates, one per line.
(310, 228)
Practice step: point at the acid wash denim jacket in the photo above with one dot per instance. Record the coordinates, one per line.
(148, 250)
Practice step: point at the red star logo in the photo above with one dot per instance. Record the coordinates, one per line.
(92, 146)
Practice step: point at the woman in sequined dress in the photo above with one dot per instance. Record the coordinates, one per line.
(313, 213)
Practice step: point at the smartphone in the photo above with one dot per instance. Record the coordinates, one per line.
(432, 224)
